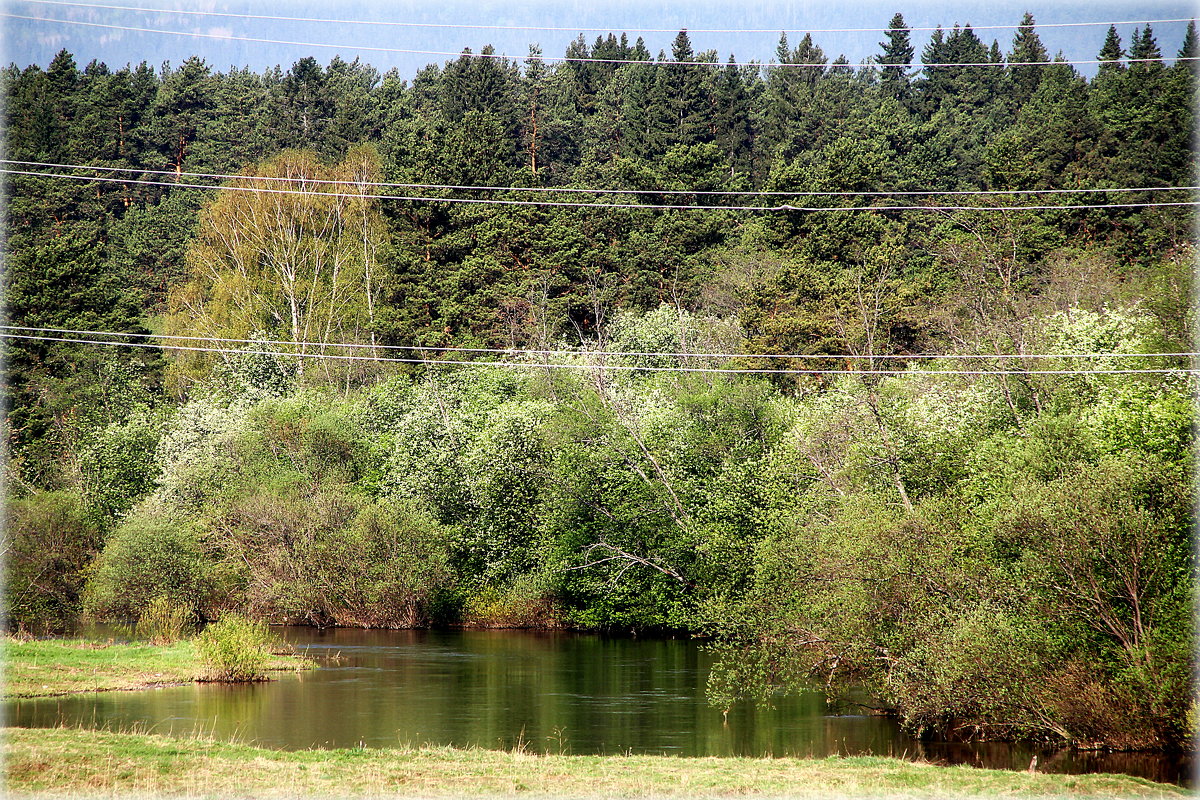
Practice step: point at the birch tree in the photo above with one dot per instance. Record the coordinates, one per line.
(286, 252)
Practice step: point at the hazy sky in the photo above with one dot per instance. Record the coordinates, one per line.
(506, 26)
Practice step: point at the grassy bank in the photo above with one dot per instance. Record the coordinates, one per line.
(65, 666)
(78, 763)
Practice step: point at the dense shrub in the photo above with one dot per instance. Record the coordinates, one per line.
(327, 557)
(193, 451)
(51, 540)
(1050, 603)
(118, 465)
(528, 602)
(151, 556)
(235, 649)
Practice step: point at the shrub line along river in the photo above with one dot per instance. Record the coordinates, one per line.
(552, 692)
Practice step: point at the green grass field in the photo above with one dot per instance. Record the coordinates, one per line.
(78, 763)
(65, 666)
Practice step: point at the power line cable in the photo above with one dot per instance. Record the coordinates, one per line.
(563, 204)
(613, 353)
(601, 366)
(493, 26)
(502, 56)
(578, 190)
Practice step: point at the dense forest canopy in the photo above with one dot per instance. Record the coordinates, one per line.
(765, 419)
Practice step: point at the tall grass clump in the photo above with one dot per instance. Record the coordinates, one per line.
(235, 649)
(164, 622)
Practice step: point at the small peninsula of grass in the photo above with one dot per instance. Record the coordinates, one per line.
(66, 762)
(65, 666)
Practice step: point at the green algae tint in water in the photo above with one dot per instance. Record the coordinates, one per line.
(548, 692)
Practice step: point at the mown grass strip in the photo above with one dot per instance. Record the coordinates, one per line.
(65, 666)
(79, 763)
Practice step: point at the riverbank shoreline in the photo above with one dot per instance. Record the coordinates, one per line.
(58, 667)
(58, 762)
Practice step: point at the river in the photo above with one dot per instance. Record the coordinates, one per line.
(548, 692)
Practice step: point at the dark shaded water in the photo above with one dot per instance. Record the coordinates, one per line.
(550, 692)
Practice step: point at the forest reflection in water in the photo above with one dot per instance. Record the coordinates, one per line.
(545, 691)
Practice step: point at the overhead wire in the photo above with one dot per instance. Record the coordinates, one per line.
(597, 205)
(600, 191)
(784, 207)
(559, 28)
(557, 59)
(599, 366)
(579, 190)
(564, 351)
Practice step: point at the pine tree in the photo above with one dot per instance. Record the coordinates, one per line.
(306, 104)
(354, 115)
(533, 89)
(62, 84)
(183, 105)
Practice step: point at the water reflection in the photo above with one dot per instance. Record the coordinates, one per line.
(550, 692)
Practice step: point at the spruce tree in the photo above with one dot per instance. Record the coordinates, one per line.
(931, 85)
(897, 54)
(841, 66)
(1144, 55)
(781, 100)
(639, 51)
(1191, 47)
(734, 130)
(685, 93)
(809, 53)
(1025, 57)
(1112, 52)
(1190, 51)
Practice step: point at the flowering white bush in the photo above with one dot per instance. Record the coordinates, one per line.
(188, 450)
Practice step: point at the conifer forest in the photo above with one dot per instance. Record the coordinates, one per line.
(877, 378)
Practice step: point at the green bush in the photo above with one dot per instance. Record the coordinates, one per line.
(526, 602)
(51, 539)
(118, 467)
(235, 648)
(332, 557)
(146, 558)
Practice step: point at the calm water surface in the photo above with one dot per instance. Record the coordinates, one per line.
(550, 692)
